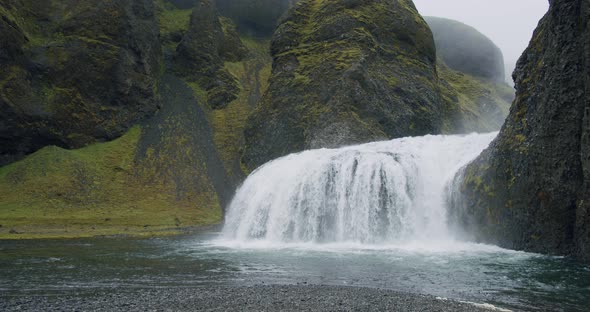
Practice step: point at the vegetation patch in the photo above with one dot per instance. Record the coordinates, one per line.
(91, 191)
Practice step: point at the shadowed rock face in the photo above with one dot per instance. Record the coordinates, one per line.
(530, 189)
(76, 78)
(346, 72)
(255, 17)
(465, 49)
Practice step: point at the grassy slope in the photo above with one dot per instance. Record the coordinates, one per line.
(91, 191)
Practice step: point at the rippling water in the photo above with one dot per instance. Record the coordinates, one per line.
(475, 273)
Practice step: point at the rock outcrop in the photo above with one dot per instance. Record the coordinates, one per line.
(530, 189)
(346, 72)
(74, 72)
(209, 42)
(465, 49)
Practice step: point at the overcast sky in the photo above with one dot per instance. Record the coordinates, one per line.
(509, 23)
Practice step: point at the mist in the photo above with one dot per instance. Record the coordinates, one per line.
(510, 24)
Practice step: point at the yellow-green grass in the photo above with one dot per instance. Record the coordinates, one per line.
(172, 19)
(92, 191)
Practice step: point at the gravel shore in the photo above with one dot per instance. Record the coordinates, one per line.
(218, 298)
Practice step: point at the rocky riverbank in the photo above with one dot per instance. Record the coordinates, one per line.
(257, 298)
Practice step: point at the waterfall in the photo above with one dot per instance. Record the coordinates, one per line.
(374, 193)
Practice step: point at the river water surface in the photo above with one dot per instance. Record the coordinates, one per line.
(475, 273)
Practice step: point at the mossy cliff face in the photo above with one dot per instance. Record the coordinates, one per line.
(176, 167)
(227, 71)
(74, 72)
(464, 49)
(530, 189)
(346, 72)
(176, 153)
(200, 55)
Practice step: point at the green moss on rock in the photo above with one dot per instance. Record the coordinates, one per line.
(228, 124)
(75, 72)
(334, 64)
(200, 55)
(157, 178)
(173, 23)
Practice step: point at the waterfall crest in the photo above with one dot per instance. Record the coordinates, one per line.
(383, 192)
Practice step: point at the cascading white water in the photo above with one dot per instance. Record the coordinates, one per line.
(382, 192)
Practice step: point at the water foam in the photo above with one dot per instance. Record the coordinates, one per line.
(379, 193)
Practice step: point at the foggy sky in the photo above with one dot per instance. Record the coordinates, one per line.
(509, 23)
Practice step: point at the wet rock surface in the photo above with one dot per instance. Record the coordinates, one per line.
(530, 190)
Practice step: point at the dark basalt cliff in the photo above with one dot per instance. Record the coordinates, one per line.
(530, 189)
(465, 49)
(74, 72)
(346, 72)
